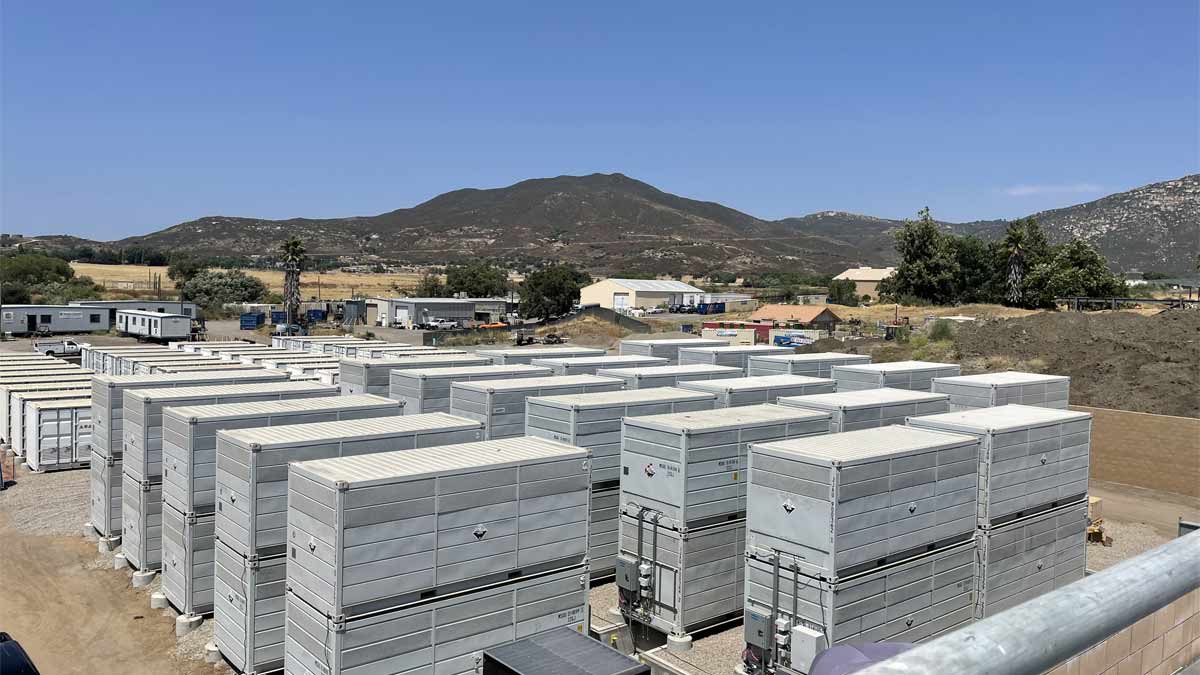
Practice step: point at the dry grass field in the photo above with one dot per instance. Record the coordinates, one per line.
(329, 285)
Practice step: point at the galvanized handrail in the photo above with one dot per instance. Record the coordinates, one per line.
(1042, 633)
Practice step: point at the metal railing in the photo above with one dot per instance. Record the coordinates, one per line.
(1046, 631)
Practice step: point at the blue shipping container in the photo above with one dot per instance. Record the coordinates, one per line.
(316, 315)
(252, 320)
(710, 308)
(279, 317)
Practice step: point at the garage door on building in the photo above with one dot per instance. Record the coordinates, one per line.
(620, 301)
(402, 318)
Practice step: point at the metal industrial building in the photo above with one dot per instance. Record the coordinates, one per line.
(408, 312)
(621, 294)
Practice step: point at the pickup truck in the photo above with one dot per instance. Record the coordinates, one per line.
(441, 324)
(56, 347)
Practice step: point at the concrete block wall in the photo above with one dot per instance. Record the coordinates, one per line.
(1158, 452)
(1159, 644)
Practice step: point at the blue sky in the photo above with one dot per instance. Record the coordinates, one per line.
(121, 118)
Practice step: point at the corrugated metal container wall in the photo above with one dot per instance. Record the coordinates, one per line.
(914, 375)
(588, 365)
(668, 376)
(372, 376)
(666, 349)
(525, 355)
(201, 368)
(742, 391)
(500, 404)
(733, 355)
(10, 387)
(994, 389)
(871, 408)
(426, 390)
(812, 365)
(19, 402)
(1029, 557)
(58, 434)
(105, 494)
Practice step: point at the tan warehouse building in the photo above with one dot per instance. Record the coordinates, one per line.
(619, 294)
(866, 280)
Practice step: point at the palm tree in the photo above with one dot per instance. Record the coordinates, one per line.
(1016, 247)
(292, 251)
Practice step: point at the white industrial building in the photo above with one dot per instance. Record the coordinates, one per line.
(618, 294)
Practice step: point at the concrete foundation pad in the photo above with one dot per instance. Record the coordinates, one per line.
(119, 562)
(158, 600)
(108, 544)
(679, 643)
(142, 578)
(211, 653)
(186, 623)
(88, 529)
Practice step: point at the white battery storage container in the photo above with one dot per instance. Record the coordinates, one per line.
(508, 357)
(284, 362)
(871, 408)
(994, 389)
(104, 507)
(426, 390)
(247, 600)
(353, 349)
(1031, 459)
(141, 523)
(736, 356)
(396, 350)
(19, 403)
(36, 383)
(373, 376)
(1030, 556)
(310, 370)
(593, 421)
(201, 367)
(58, 434)
(914, 375)
(500, 404)
(188, 543)
(813, 365)
(668, 376)
(588, 365)
(12, 397)
(667, 348)
(280, 357)
(741, 391)
(846, 503)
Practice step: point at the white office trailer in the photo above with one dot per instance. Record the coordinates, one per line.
(588, 365)
(426, 390)
(683, 486)
(346, 516)
(36, 383)
(736, 356)
(20, 401)
(1030, 556)
(813, 365)
(1032, 459)
(593, 421)
(913, 375)
(189, 478)
(846, 503)
(153, 325)
(666, 348)
(994, 389)
(200, 367)
(913, 600)
(668, 376)
(373, 376)
(870, 408)
(108, 398)
(58, 434)
(739, 391)
(251, 516)
(510, 356)
(500, 404)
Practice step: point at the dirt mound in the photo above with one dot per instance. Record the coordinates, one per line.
(1115, 359)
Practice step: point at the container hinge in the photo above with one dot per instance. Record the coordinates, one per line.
(252, 561)
(191, 518)
(339, 622)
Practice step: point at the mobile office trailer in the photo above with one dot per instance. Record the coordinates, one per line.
(1031, 460)
(870, 408)
(668, 376)
(19, 401)
(9, 387)
(666, 349)
(507, 357)
(730, 355)
(153, 325)
(588, 365)
(739, 391)
(914, 375)
(189, 479)
(994, 389)
(812, 365)
(58, 434)
(593, 421)
(846, 503)
(372, 376)
(500, 404)
(426, 390)
(32, 319)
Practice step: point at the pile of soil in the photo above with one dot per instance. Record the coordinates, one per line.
(1115, 359)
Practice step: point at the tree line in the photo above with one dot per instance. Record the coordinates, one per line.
(548, 291)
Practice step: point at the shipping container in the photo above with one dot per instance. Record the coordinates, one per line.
(871, 408)
(813, 365)
(442, 635)
(732, 355)
(58, 434)
(372, 376)
(593, 421)
(251, 466)
(37, 383)
(995, 389)
(510, 356)
(1031, 458)
(251, 320)
(911, 601)
(913, 375)
(850, 502)
(740, 391)
(426, 390)
(500, 404)
(588, 365)
(19, 402)
(665, 349)
(1029, 557)
(668, 376)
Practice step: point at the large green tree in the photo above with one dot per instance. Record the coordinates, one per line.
(843, 292)
(477, 279)
(211, 289)
(1075, 268)
(430, 286)
(551, 291)
(928, 267)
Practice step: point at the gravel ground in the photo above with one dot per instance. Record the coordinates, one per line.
(603, 598)
(715, 654)
(54, 503)
(1129, 540)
